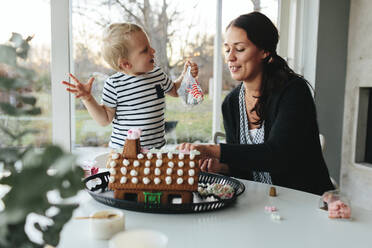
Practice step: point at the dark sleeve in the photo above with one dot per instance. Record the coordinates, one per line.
(228, 115)
(287, 135)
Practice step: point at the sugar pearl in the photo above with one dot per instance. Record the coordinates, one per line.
(171, 164)
(191, 172)
(190, 180)
(112, 163)
(140, 156)
(179, 180)
(181, 156)
(169, 171)
(180, 164)
(111, 179)
(136, 163)
(126, 162)
(146, 180)
(112, 171)
(134, 180)
(133, 173)
(157, 180)
(159, 155)
(115, 156)
(123, 170)
(159, 162)
(149, 155)
(192, 164)
(146, 171)
(180, 172)
(123, 180)
(168, 180)
(157, 171)
(192, 155)
(170, 155)
(147, 163)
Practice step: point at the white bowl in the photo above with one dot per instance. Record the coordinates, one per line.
(141, 238)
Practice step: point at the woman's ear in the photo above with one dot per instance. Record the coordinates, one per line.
(266, 56)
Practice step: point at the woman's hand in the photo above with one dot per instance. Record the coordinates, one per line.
(213, 165)
(206, 151)
(79, 89)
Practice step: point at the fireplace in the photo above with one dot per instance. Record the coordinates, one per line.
(363, 149)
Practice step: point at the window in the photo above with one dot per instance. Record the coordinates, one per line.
(187, 33)
(23, 21)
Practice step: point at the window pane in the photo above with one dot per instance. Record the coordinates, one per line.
(26, 23)
(184, 30)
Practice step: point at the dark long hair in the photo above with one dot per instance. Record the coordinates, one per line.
(276, 72)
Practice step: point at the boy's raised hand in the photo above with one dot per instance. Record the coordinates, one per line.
(80, 90)
(194, 68)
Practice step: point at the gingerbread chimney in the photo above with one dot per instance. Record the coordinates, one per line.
(132, 144)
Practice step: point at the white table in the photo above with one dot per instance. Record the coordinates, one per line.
(245, 224)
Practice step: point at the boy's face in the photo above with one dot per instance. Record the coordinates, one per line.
(141, 54)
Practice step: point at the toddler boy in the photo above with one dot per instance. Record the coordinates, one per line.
(133, 97)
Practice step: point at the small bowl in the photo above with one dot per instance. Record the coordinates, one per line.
(140, 238)
(105, 228)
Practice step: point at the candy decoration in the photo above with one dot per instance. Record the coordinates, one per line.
(112, 163)
(112, 171)
(123, 180)
(134, 133)
(123, 170)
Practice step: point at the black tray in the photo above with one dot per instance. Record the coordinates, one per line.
(101, 194)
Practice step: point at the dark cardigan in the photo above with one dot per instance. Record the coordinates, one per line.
(291, 152)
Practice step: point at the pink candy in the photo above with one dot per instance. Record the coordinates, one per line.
(338, 209)
(134, 133)
(270, 208)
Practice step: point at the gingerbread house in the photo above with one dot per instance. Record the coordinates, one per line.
(154, 176)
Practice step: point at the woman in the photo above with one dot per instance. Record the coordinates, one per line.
(270, 119)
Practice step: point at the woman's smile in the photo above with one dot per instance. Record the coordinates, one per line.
(234, 68)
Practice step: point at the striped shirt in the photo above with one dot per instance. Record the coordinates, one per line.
(139, 102)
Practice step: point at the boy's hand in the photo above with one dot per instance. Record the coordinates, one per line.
(194, 68)
(80, 90)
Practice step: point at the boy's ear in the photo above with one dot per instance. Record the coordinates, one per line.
(125, 64)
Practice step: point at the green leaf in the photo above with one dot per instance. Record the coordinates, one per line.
(33, 111)
(9, 154)
(23, 50)
(8, 132)
(24, 133)
(16, 39)
(64, 164)
(13, 83)
(9, 109)
(51, 234)
(25, 74)
(7, 83)
(8, 55)
(28, 99)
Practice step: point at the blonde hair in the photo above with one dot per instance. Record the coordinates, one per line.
(115, 42)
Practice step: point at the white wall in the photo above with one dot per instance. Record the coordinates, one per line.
(356, 179)
(330, 77)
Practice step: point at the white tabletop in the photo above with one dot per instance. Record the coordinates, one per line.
(245, 224)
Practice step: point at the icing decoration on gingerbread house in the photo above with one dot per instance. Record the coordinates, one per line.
(154, 176)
